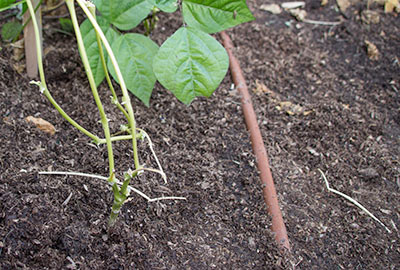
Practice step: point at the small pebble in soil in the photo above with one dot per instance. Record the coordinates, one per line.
(368, 173)
(252, 243)
(104, 237)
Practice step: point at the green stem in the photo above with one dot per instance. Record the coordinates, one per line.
(104, 65)
(11, 6)
(43, 85)
(120, 194)
(146, 27)
(89, 73)
(119, 200)
(125, 99)
(117, 138)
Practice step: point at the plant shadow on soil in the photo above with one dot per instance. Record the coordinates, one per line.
(347, 123)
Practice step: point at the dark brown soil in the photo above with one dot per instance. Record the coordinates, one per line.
(347, 124)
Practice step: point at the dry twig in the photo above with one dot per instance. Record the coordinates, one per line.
(119, 183)
(352, 201)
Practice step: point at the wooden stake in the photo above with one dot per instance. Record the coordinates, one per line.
(29, 40)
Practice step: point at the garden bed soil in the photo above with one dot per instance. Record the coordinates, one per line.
(322, 103)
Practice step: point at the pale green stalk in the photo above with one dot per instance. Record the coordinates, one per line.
(11, 6)
(105, 69)
(89, 73)
(125, 99)
(42, 84)
(117, 138)
(120, 193)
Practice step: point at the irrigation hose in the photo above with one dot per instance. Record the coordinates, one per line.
(269, 192)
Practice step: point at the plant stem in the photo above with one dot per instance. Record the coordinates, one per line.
(125, 99)
(105, 69)
(89, 73)
(118, 183)
(120, 194)
(11, 6)
(43, 85)
(117, 138)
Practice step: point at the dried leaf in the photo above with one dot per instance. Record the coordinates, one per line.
(19, 67)
(372, 50)
(42, 124)
(324, 2)
(305, 113)
(391, 5)
(343, 5)
(300, 14)
(7, 121)
(273, 8)
(263, 89)
(18, 54)
(346, 106)
(18, 50)
(47, 50)
(292, 109)
(370, 16)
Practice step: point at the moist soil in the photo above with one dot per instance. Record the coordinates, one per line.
(322, 103)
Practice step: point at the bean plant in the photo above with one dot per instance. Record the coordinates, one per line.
(190, 63)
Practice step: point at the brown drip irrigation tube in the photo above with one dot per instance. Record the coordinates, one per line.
(269, 192)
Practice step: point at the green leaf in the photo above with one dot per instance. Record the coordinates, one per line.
(66, 25)
(212, 16)
(92, 50)
(190, 63)
(11, 30)
(22, 8)
(6, 4)
(167, 5)
(134, 54)
(124, 14)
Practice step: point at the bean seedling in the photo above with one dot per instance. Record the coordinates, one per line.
(190, 63)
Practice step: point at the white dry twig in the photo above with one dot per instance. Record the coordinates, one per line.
(67, 200)
(154, 154)
(292, 5)
(118, 182)
(301, 14)
(72, 265)
(321, 22)
(352, 201)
